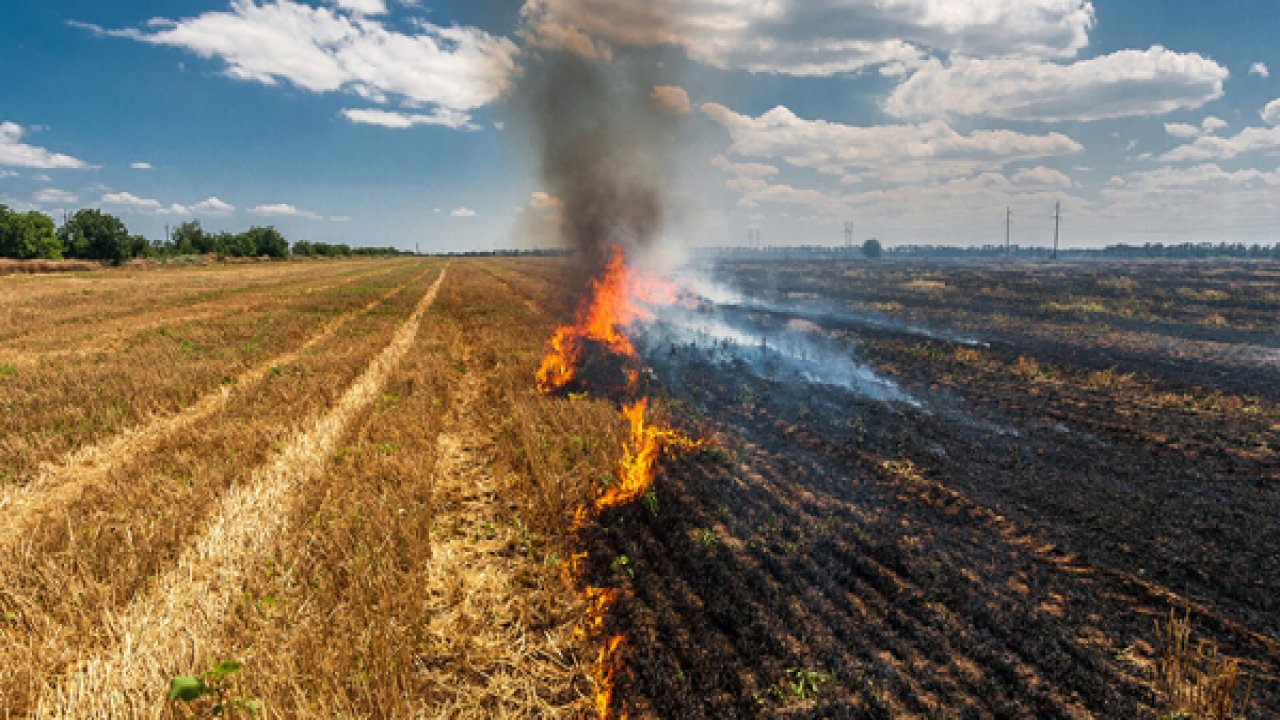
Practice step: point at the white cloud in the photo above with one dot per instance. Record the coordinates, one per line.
(671, 99)
(324, 49)
(140, 165)
(365, 7)
(339, 218)
(1208, 126)
(7, 174)
(813, 37)
(887, 153)
(1260, 69)
(463, 212)
(1212, 147)
(130, 203)
(283, 210)
(1124, 83)
(446, 117)
(54, 196)
(213, 206)
(16, 153)
(539, 200)
(1211, 125)
(1041, 176)
(1271, 112)
(1196, 199)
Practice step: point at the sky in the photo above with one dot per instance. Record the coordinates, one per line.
(393, 122)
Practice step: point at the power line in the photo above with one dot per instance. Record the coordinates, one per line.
(1057, 225)
(1008, 229)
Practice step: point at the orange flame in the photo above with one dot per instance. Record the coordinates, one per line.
(640, 453)
(618, 298)
(605, 672)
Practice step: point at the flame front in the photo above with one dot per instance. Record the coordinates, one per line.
(618, 299)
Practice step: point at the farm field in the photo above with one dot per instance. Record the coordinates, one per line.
(922, 490)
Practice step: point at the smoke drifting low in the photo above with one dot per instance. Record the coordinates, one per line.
(606, 140)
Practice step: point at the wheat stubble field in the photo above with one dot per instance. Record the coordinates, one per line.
(334, 474)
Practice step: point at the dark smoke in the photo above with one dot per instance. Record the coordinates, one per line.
(603, 147)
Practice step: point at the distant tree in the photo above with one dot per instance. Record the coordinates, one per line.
(872, 248)
(268, 242)
(28, 235)
(190, 239)
(95, 235)
(303, 248)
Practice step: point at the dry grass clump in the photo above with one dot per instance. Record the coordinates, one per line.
(76, 304)
(416, 583)
(62, 404)
(88, 558)
(9, 266)
(1194, 681)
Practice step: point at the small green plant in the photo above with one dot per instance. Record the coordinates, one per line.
(650, 501)
(214, 685)
(799, 684)
(706, 537)
(8, 371)
(622, 565)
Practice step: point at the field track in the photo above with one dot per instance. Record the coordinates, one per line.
(149, 639)
(61, 482)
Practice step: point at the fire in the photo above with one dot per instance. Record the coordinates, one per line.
(618, 298)
(644, 444)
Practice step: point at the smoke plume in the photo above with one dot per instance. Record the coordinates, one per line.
(605, 137)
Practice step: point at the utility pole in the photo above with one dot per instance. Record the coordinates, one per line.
(1008, 230)
(1057, 225)
(848, 234)
(166, 233)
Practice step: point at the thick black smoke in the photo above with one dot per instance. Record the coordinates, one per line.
(605, 147)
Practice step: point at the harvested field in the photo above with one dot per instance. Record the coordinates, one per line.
(971, 491)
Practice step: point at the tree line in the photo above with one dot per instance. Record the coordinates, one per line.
(1178, 251)
(95, 235)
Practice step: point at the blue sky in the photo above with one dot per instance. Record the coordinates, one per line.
(379, 122)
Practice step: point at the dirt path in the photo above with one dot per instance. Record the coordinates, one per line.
(63, 482)
(167, 630)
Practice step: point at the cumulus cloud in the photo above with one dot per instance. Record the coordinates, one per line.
(1172, 199)
(887, 153)
(140, 165)
(1260, 69)
(671, 99)
(129, 203)
(463, 212)
(1124, 83)
(283, 210)
(1271, 112)
(539, 200)
(364, 7)
(213, 206)
(445, 117)
(337, 49)
(1208, 126)
(16, 153)
(54, 196)
(813, 37)
(1041, 176)
(1213, 147)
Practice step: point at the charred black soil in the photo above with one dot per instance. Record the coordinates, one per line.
(1094, 446)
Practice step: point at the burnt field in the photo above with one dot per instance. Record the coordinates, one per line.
(954, 490)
